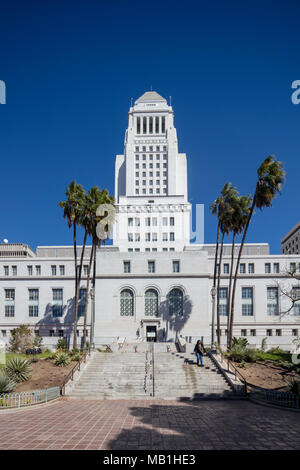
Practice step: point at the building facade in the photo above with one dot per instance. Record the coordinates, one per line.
(290, 243)
(151, 284)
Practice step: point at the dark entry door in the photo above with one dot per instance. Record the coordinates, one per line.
(151, 333)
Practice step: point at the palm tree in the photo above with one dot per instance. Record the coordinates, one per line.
(222, 208)
(72, 208)
(270, 179)
(94, 199)
(239, 218)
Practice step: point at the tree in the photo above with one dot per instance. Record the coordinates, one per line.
(72, 208)
(270, 179)
(94, 199)
(241, 208)
(222, 207)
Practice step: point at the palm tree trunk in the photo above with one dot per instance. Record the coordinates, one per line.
(216, 255)
(237, 270)
(87, 296)
(78, 275)
(218, 291)
(76, 285)
(230, 285)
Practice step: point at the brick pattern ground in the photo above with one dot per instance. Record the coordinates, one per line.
(150, 425)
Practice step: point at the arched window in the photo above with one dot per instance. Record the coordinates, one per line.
(175, 302)
(126, 303)
(151, 302)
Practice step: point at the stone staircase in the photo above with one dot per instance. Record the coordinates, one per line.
(129, 373)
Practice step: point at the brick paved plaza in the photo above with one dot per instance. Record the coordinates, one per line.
(150, 425)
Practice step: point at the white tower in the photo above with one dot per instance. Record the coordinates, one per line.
(151, 181)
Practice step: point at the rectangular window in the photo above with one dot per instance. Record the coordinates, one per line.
(278, 332)
(126, 266)
(130, 222)
(57, 302)
(53, 270)
(154, 221)
(272, 300)
(294, 332)
(251, 268)
(148, 221)
(165, 221)
(226, 268)
(38, 270)
(172, 221)
(247, 301)
(292, 267)
(242, 268)
(137, 237)
(147, 237)
(81, 301)
(252, 332)
(296, 295)
(130, 237)
(269, 332)
(52, 333)
(243, 332)
(85, 269)
(137, 221)
(267, 268)
(6, 270)
(172, 236)
(276, 267)
(29, 270)
(176, 266)
(14, 270)
(9, 303)
(154, 237)
(151, 266)
(62, 270)
(223, 296)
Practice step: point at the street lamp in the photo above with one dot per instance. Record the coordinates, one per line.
(213, 295)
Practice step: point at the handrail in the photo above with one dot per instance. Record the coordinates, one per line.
(153, 386)
(235, 370)
(71, 373)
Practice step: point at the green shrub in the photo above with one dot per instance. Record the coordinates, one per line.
(18, 369)
(76, 357)
(62, 344)
(61, 359)
(276, 350)
(242, 354)
(241, 342)
(7, 384)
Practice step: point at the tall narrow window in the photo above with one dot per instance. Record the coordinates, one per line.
(176, 266)
(267, 268)
(144, 125)
(175, 299)
(9, 305)
(33, 307)
(157, 125)
(29, 270)
(38, 270)
(6, 270)
(126, 303)
(151, 302)
(57, 302)
(81, 301)
(223, 295)
(272, 298)
(151, 125)
(151, 266)
(296, 295)
(163, 124)
(247, 301)
(138, 125)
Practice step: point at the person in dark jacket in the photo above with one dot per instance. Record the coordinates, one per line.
(199, 350)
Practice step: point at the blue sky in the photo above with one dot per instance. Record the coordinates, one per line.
(71, 67)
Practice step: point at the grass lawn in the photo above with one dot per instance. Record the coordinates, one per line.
(9, 356)
(275, 356)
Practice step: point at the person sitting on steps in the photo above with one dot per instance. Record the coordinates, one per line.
(199, 351)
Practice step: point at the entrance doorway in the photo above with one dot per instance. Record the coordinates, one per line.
(151, 333)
